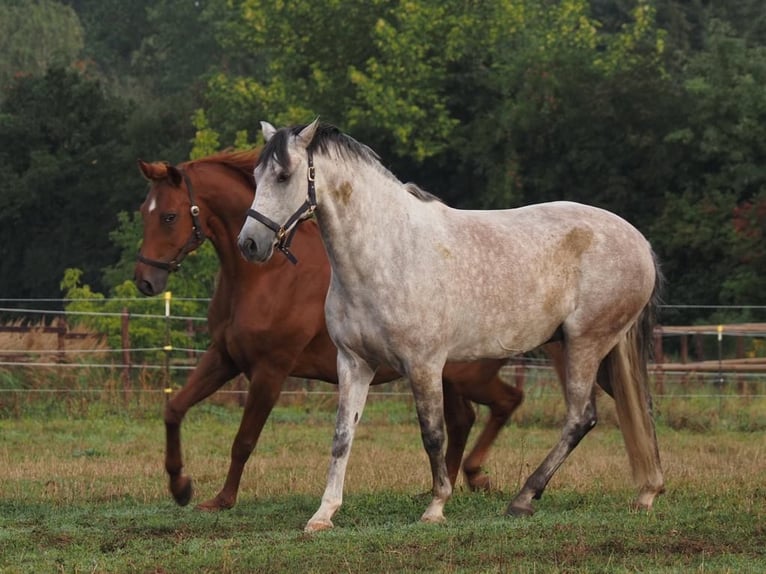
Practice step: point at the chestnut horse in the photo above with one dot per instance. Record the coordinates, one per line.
(268, 322)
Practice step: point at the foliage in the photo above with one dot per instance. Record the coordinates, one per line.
(428, 87)
(286, 73)
(63, 153)
(707, 229)
(35, 36)
(150, 329)
(649, 108)
(205, 139)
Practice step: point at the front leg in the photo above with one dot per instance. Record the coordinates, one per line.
(354, 377)
(262, 394)
(212, 371)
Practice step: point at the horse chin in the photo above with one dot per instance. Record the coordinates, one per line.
(264, 257)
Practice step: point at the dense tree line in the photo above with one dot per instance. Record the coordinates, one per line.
(653, 109)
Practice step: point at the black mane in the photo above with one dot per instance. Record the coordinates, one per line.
(326, 136)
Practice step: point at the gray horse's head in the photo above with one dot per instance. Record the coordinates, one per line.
(283, 180)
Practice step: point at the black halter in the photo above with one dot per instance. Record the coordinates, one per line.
(196, 239)
(286, 231)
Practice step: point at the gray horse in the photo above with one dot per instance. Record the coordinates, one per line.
(416, 283)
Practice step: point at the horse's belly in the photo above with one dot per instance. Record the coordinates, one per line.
(497, 339)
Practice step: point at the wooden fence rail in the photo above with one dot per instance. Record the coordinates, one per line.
(683, 366)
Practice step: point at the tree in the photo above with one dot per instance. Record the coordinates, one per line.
(457, 96)
(708, 232)
(66, 170)
(285, 72)
(747, 281)
(35, 36)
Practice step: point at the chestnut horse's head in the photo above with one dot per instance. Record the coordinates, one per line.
(172, 227)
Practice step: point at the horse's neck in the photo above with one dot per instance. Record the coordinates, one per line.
(224, 204)
(363, 215)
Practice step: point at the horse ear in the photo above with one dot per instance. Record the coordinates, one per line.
(307, 133)
(268, 130)
(152, 171)
(145, 169)
(174, 175)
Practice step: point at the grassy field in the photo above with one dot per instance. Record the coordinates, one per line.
(86, 492)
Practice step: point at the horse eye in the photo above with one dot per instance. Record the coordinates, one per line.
(282, 177)
(168, 217)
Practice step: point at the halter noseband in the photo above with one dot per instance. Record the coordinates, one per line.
(286, 231)
(196, 238)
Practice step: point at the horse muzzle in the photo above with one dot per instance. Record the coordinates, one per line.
(150, 281)
(255, 251)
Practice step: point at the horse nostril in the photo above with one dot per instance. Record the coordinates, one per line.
(248, 247)
(145, 287)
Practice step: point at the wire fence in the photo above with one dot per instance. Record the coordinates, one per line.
(737, 366)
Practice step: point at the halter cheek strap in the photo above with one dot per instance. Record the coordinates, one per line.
(286, 232)
(196, 239)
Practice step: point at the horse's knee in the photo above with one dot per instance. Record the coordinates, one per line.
(503, 409)
(340, 443)
(433, 440)
(242, 448)
(173, 415)
(581, 428)
(577, 426)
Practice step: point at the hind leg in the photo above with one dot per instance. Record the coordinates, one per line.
(459, 417)
(479, 382)
(580, 419)
(502, 400)
(429, 401)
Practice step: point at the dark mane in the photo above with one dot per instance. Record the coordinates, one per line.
(242, 162)
(417, 191)
(325, 137)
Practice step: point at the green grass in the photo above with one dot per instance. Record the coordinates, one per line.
(87, 493)
(380, 533)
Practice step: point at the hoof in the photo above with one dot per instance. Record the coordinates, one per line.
(433, 519)
(645, 499)
(519, 509)
(182, 490)
(480, 483)
(214, 505)
(318, 525)
(638, 506)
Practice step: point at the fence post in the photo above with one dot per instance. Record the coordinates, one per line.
(168, 348)
(126, 365)
(741, 387)
(61, 329)
(720, 380)
(659, 358)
